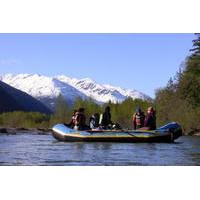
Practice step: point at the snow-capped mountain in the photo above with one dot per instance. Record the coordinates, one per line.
(102, 92)
(46, 89)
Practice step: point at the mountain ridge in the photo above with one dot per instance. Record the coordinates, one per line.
(44, 87)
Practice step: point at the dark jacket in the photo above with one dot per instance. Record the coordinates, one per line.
(150, 121)
(80, 120)
(72, 122)
(106, 119)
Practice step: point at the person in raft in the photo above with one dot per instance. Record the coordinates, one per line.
(138, 119)
(150, 120)
(73, 119)
(80, 120)
(94, 121)
(105, 119)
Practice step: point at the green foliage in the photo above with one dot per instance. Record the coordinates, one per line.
(24, 119)
(90, 107)
(190, 81)
(121, 113)
(196, 45)
(62, 111)
(180, 99)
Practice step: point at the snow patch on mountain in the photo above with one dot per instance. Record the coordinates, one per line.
(102, 92)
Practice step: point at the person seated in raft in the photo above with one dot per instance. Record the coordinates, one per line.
(94, 121)
(150, 120)
(138, 119)
(73, 119)
(80, 120)
(105, 119)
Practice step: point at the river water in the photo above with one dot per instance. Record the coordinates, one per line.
(43, 150)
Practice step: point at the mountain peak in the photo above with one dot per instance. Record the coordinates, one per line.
(44, 87)
(87, 80)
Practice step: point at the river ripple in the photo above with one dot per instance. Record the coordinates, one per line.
(44, 150)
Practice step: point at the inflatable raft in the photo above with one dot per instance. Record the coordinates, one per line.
(167, 133)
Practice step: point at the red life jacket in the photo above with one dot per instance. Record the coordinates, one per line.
(139, 119)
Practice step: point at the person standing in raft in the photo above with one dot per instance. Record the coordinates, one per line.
(80, 120)
(105, 119)
(138, 119)
(150, 120)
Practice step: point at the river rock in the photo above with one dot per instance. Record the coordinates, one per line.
(3, 130)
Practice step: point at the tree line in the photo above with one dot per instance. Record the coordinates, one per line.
(121, 113)
(180, 99)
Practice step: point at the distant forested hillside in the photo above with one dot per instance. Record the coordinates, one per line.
(12, 99)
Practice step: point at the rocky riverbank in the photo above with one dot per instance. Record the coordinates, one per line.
(196, 134)
(15, 131)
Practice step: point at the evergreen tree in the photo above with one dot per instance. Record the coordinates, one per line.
(190, 80)
(180, 99)
(196, 45)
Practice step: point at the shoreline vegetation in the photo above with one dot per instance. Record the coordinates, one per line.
(17, 122)
(34, 121)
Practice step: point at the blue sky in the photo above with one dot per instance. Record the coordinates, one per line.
(140, 61)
